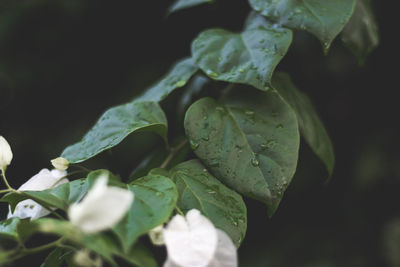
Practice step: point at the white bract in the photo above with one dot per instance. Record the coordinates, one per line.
(60, 163)
(45, 179)
(102, 208)
(5, 154)
(195, 242)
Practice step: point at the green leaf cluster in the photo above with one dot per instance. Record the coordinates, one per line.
(245, 141)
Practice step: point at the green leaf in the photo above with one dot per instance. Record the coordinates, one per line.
(9, 229)
(140, 256)
(101, 243)
(156, 157)
(310, 124)
(59, 197)
(192, 90)
(361, 33)
(155, 199)
(177, 77)
(249, 57)
(323, 18)
(116, 124)
(198, 189)
(250, 143)
(54, 259)
(182, 4)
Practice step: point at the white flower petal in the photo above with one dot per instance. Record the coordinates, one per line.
(5, 153)
(102, 208)
(225, 255)
(191, 242)
(45, 179)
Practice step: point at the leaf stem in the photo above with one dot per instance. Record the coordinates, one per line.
(174, 151)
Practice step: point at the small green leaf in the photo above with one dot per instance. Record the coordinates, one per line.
(310, 124)
(116, 124)
(155, 199)
(177, 77)
(323, 18)
(140, 256)
(182, 4)
(9, 228)
(101, 243)
(249, 57)
(54, 259)
(250, 143)
(198, 189)
(361, 33)
(59, 197)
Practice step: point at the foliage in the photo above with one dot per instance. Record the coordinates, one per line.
(245, 137)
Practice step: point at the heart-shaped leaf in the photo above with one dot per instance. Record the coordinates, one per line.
(323, 18)
(250, 142)
(249, 57)
(116, 124)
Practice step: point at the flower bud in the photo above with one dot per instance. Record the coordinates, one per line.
(5, 154)
(156, 235)
(60, 163)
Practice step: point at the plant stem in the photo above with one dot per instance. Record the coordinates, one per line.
(173, 153)
(5, 191)
(179, 211)
(26, 251)
(3, 174)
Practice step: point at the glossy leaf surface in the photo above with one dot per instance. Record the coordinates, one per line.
(250, 142)
(249, 57)
(323, 18)
(198, 189)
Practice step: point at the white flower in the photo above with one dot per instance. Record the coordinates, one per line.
(60, 163)
(45, 179)
(156, 235)
(5, 154)
(195, 242)
(102, 208)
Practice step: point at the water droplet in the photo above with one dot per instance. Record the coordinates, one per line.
(212, 74)
(180, 83)
(193, 144)
(254, 161)
(214, 163)
(249, 112)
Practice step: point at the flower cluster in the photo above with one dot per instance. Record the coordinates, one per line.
(191, 240)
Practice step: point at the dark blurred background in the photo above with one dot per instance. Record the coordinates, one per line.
(63, 62)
